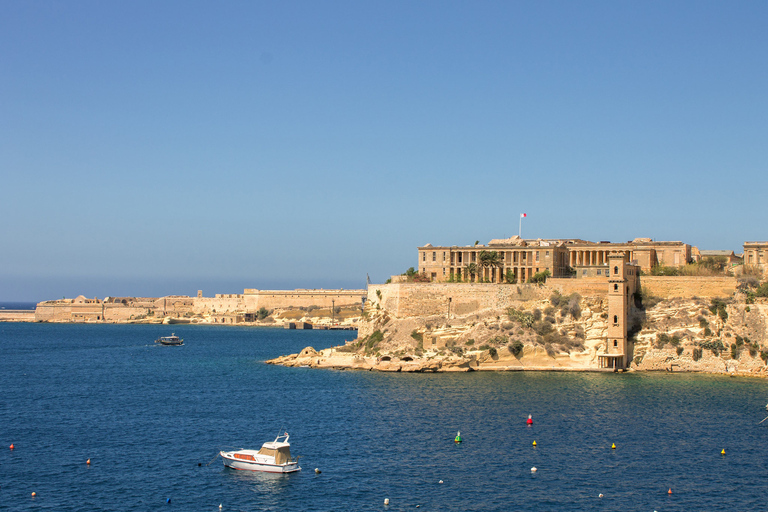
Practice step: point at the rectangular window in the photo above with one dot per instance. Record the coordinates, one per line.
(424, 256)
(443, 271)
(443, 255)
(599, 272)
(547, 254)
(537, 255)
(434, 256)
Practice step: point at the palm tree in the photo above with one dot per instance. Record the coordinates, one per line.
(489, 259)
(470, 269)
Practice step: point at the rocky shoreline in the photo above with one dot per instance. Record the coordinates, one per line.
(557, 333)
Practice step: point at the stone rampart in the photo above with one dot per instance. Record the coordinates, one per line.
(425, 299)
(282, 299)
(669, 287)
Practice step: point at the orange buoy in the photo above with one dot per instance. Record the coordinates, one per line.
(530, 420)
(669, 491)
(88, 461)
(11, 447)
(34, 494)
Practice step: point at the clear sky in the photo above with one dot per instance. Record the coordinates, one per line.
(152, 148)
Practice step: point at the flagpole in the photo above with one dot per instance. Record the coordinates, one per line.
(520, 229)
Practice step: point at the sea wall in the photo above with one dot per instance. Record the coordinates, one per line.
(17, 315)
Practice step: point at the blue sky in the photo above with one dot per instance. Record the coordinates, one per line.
(154, 148)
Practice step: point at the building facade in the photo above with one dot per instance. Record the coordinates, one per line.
(756, 255)
(523, 258)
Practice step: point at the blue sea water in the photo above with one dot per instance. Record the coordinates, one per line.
(18, 305)
(152, 419)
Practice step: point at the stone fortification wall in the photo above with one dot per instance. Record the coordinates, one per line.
(585, 286)
(218, 305)
(668, 287)
(283, 299)
(424, 299)
(53, 312)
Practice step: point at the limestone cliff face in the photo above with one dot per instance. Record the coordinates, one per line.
(546, 330)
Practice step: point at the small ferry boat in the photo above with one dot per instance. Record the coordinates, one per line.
(170, 340)
(273, 457)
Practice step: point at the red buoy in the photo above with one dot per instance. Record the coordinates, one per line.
(530, 420)
(11, 446)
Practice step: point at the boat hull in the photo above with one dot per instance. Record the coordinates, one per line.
(246, 465)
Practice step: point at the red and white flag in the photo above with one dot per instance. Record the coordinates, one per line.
(523, 215)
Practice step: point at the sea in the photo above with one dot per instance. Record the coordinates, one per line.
(151, 419)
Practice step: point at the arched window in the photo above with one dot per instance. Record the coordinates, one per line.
(615, 319)
(615, 287)
(616, 270)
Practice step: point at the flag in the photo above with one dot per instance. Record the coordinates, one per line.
(523, 215)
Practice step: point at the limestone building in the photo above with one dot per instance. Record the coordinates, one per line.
(756, 255)
(523, 258)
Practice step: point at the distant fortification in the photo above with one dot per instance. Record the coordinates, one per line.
(222, 308)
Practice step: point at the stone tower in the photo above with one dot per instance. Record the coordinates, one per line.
(622, 284)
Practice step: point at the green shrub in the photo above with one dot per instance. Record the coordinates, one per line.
(524, 318)
(697, 352)
(540, 277)
(492, 351)
(417, 335)
(679, 350)
(516, 347)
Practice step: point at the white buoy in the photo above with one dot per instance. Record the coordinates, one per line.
(600, 495)
(386, 501)
(219, 506)
(533, 469)
(440, 482)
(317, 470)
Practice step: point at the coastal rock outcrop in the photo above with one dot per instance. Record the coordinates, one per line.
(546, 330)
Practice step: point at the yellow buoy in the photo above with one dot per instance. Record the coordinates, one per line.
(613, 446)
(534, 443)
(722, 452)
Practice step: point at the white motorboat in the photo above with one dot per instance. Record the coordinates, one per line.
(170, 340)
(273, 457)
